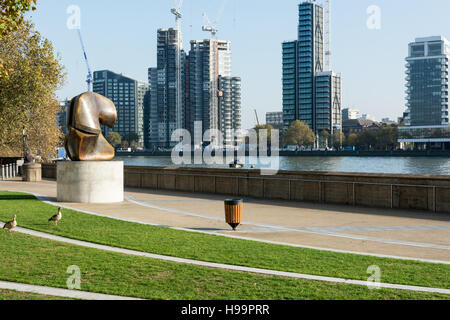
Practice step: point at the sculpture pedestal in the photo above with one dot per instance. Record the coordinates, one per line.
(32, 172)
(90, 181)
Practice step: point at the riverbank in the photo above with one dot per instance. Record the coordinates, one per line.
(399, 153)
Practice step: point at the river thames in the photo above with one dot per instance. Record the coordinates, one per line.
(395, 165)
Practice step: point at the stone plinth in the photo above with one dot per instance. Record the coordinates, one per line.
(90, 181)
(32, 172)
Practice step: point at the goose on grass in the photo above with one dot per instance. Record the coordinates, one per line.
(57, 217)
(11, 225)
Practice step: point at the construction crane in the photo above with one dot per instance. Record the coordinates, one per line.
(176, 11)
(212, 27)
(89, 79)
(328, 52)
(257, 118)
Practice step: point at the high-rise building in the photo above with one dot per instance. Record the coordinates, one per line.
(208, 60)
(61, 117)
(229, 108)
(328, 106)
(427, 81)
(350, 114)
(142, 105)
(203, 72)
(151, 137)
(170, 85)
(303, 62)
(130, 98)
(275, 119)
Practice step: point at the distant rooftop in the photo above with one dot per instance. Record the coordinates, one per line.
(431, 39)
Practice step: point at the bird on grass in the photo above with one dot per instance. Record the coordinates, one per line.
(11, 225)
(57, 217)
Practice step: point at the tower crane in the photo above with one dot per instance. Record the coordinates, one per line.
(176, 11)
(212, 27)
(89, 79)
(257, 118)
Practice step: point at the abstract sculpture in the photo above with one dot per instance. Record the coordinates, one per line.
(85, 141)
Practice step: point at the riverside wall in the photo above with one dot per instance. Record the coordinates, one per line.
(415, 192)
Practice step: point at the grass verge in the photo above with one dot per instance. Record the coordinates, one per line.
(16, 295)
(34, 214)
(32, 260)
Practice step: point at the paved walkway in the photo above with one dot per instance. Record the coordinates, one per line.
(208, 265)
(380, 232)
(58, 292)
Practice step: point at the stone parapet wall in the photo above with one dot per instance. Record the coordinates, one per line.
(417, 192)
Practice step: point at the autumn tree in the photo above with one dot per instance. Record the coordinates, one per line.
(325, 136)
(299, 134)
(367, 139)
(338, 139)
(131, 136)
(11, 17)
(125, 144)
(114, 138)
(27, 96)
(352, 140)
(133, 145)
(387, 137)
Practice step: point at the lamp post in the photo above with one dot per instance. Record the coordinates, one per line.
(24, 137)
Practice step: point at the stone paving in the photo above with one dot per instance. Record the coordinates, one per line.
(400, 233)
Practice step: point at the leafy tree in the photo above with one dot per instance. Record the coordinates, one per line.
(338, 139)
(125, 144)
(299, 134)
(352, 140)
(325, 136)
(114, 138)
(387, 137)
(132, 136)
(11, 17)
(367, 139)
(133, 145)
(28, 95)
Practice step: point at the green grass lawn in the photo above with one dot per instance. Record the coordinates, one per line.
(32, 260)
(34, 215)
(16, 295)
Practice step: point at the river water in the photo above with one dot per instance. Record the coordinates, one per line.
(395, 165)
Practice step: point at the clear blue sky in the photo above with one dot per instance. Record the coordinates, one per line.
(121, 36)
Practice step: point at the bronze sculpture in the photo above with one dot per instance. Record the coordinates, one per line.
(85, 141)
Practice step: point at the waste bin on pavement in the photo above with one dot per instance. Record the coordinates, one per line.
(233, 212)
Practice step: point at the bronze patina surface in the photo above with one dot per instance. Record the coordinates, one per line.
(85, 141)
